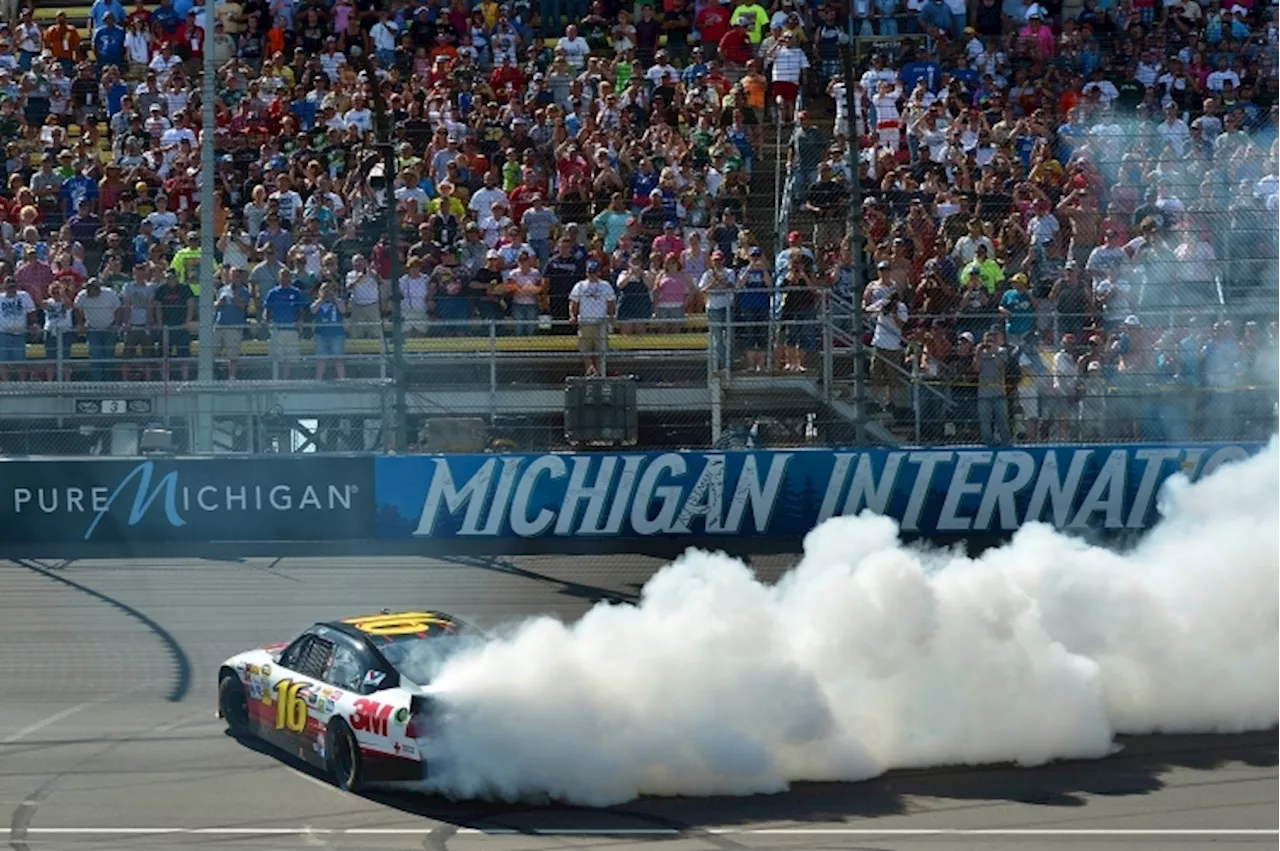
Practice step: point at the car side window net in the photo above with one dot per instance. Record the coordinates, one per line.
(314, 658)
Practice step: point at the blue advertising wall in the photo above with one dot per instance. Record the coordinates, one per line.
(778, 494)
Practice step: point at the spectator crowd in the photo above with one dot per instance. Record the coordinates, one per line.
(1067, 223)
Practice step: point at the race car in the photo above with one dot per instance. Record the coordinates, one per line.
(346, 696)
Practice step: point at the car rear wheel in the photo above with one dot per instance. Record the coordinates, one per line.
(343, 756)
(233, 705)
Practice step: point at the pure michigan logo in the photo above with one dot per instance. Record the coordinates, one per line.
(170, 498)
(143, 497)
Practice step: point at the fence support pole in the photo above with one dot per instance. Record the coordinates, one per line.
(208, 186)
(854, 228)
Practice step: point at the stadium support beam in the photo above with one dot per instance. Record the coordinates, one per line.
(386, 133)
(208, 237)
(854, 228)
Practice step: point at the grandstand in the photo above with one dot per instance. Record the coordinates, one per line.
(1094, 188)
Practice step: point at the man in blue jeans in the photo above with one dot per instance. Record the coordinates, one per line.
(717, 285)
(17, 317)
(991, 361)
(99, 312)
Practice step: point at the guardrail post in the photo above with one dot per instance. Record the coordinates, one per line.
(493, 372)
(716, 387)
(728, 340)
(915, 393)
(828, 341)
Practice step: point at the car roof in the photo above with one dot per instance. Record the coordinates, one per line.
(388, 624)
(406, 622)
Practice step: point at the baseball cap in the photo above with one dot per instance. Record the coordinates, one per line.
(1068, 339)
(756, 251)
(794, 236)
(593, 265)
(493, 255)
(1132, 321)
(967, 335)
(883, 264)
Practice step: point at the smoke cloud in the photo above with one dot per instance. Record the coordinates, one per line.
(870, 656)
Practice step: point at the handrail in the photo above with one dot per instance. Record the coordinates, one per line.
(847, 338)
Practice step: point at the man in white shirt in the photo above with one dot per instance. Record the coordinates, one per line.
(966, 247)
(365, 290)
(99, 315)
(162, 220)
(891, 316)
(1221, 75)
(359, 114)
(17, 315)
(163, 64)
(718, 286)
(384, 34)
(575, 48)
(592, 303)
(331, 58)
(481, 203)
(1173, 131)
(661, 69)
(789, 66)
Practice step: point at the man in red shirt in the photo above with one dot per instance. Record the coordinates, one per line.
(735, 50)
(712, 24)
(521, 197)
(507, 74)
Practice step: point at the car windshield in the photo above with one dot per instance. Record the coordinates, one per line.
(420, 656)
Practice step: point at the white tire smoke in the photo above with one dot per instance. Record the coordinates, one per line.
(870, 656)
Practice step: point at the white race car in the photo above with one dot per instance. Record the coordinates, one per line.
(346, 696)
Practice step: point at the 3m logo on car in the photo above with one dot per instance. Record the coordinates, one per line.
(371, 717)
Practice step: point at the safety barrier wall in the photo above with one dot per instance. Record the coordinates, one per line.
(187, 501)
(441, 504)
(779, 494)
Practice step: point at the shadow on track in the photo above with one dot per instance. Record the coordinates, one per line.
(181, 662)
(590, 593)
(1135, 770)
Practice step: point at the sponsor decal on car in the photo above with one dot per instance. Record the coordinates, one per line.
(371, 717)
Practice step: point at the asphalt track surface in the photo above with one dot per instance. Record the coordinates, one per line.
(108, 738)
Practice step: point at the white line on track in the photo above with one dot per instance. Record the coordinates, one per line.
(45, 722)
(739, 831)
(315, 780)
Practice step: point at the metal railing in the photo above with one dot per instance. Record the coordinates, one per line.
(702, 375)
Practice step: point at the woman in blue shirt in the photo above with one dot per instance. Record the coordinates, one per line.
(755, 291)
(328, 312)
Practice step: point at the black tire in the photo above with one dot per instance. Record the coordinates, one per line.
(343, 757)
(233, 705)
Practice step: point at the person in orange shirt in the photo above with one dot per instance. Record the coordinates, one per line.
(442, 47)
(63, 41)
(275, 38)
(755, 84)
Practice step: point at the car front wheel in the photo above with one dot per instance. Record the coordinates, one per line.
(233, 705)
